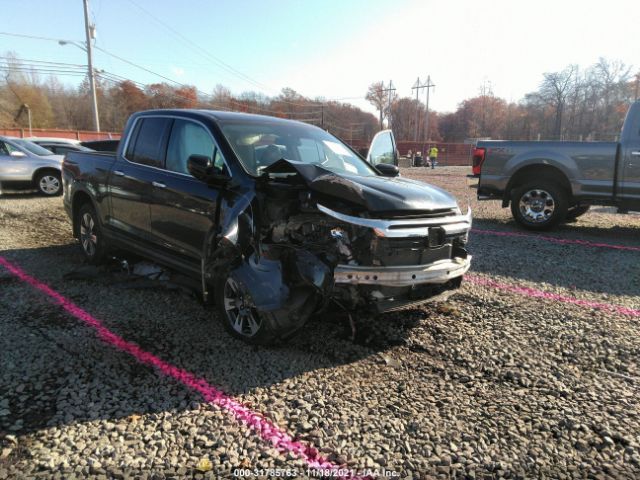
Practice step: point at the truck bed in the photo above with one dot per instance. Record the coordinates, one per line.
(590, 166)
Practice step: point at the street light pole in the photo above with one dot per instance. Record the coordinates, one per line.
(92, 79)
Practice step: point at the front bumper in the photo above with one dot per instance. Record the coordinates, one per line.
(402, 276)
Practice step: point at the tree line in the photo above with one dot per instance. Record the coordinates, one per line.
(571, 104)
(54, 104)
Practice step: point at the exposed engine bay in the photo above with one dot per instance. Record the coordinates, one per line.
(306, 239)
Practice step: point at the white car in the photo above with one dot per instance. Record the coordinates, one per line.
(23, 164)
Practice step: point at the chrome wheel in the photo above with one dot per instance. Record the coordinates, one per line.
(240, 312)
(88, 237)
(537, 206)
(49, 184)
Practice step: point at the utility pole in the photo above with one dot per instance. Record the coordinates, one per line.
(23, 108)
(90, 30)
(388, 91)
(417, 86)
(637, 82)
(428, 86)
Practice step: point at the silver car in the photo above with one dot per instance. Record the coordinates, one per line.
(24, 164)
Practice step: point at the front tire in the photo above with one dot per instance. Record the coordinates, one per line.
(94, 245)
(539, 205)
(238, 315)
(49, 183)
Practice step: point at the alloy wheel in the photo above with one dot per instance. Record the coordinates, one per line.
(537, 206)
(241, 314)
(88, 236)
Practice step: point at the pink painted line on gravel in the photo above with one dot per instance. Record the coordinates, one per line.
(532, 292)
(584, 243)
(263, 427)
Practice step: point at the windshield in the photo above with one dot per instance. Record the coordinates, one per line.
(258, 145)
(32, 147)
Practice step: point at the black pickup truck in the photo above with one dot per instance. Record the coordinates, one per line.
(275, 219)
(548, 182)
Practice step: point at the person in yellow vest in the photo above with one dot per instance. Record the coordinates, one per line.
(433, 156)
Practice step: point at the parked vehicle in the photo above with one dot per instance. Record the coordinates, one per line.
(61, 148)
(276, 219)
(549, 182)
(24, 164)
(69, 141)
(102, 145)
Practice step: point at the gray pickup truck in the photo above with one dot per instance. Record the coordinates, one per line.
(549, 182)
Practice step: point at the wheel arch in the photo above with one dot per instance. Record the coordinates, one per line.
(533, 172)
(79, 198)
(40, 170)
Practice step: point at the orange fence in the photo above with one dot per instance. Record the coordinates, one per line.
(82, 135)
(448, 153)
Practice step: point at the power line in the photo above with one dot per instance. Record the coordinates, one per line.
(197, 47)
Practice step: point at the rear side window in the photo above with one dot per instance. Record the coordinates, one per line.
(187, 138)
(148, 141)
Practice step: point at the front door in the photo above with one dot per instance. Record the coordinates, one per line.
(14, 164)
(183, 209)
(383, 149)
(130, 183)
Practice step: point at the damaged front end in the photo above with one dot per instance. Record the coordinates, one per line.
(310, 238)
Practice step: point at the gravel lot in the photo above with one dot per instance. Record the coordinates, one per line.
(495, 383)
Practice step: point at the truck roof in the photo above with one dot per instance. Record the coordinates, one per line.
(223, 116)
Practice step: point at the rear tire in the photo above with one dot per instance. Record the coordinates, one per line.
(577, 211)
(539, 205)
(94, 245)
(49, 183)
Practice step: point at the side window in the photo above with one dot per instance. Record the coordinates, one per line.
(188, 138)
(382, 150)
(150, 140)
(6, 148)
(218, 161)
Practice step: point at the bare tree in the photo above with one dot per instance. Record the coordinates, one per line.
(379, 98)
(554, 89)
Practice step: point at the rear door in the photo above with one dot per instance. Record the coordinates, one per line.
(383, 149)
(183, 209)
(130, 182)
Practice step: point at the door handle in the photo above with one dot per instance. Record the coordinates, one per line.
(118, 173)
(636, 153)
(158, 185)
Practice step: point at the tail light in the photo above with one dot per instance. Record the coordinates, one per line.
(478, 159)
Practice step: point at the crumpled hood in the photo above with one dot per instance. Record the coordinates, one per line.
(375, 193)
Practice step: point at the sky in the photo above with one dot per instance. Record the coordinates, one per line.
(334, 48)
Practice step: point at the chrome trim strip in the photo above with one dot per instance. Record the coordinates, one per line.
(402, 276)
(415, 227)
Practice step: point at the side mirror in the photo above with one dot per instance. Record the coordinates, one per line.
(388, 170)
(18, 154)
(203, 169)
